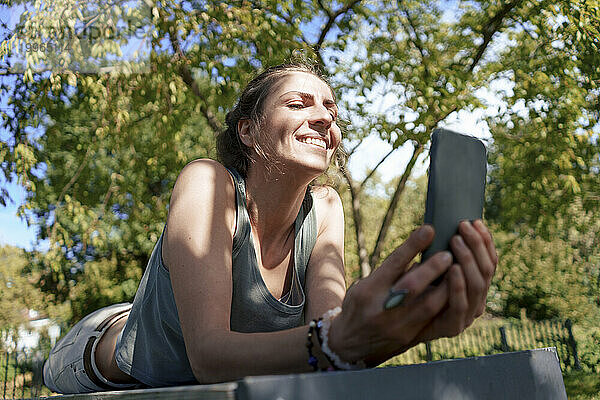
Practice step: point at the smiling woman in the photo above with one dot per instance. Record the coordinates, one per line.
(291, 117)
(248, 275)
(252, 112)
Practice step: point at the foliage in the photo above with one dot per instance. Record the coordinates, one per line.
(409, 67)
(550, 128)
(19, 293)
(587, 336)
(104, 193)
(582, 385)
(17, 290)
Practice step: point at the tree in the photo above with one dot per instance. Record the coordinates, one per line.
(98, 142)
(432, 66)
(19, 293)
(546, 153)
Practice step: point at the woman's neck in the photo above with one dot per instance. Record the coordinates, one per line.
(273, 204)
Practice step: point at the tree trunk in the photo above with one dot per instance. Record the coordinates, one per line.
(363, 259)
(387, 219)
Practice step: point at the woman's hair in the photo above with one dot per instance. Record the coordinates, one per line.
(231, 151)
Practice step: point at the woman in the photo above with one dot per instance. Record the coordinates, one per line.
(248, 276)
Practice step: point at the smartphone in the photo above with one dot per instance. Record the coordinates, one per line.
(456, 186)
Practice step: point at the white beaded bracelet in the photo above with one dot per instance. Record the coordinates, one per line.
(323, 326)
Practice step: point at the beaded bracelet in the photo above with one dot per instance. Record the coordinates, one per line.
(312, 360)
(322, 329)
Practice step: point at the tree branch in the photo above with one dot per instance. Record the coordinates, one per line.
(320, 3)
(387, 219)
(416, 41)
(363, 260)
(286, 18)
(188, 79)
(492, 26)
(362, 184)
(350, 152)
(331, 19)
(111, 189)
(64, 190)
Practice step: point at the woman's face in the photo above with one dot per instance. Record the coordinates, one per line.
(299, 123)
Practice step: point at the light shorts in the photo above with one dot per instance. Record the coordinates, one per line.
(71, 366)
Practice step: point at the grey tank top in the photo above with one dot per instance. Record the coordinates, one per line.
(151, 347)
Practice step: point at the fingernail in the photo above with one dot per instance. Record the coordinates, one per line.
(421, 234)
(459, 241)
(446, 257)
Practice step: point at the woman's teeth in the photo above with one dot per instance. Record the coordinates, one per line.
(314, 141)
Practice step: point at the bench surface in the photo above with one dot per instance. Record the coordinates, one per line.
(530, 374)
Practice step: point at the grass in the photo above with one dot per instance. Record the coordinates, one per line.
(582, 385)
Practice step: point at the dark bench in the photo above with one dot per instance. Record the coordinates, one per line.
(530, 374)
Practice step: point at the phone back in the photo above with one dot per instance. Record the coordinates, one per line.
(456, 186)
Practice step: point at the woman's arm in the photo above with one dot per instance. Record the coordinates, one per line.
(325, 276)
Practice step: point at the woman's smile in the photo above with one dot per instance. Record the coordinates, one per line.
(313, 141)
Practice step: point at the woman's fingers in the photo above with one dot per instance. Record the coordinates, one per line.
(455, 317)
(458, 303)
(487, 238)
(473, 254)
(397, 263)
(473, 277)
(418, 279)
(428, 305)
(478, 246)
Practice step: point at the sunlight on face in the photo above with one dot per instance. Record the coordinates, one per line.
(299, 121)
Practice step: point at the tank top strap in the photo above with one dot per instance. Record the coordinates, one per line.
(305, 234)
(242, 220)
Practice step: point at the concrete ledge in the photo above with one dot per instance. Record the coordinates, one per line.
(530, 374)
(221, 391)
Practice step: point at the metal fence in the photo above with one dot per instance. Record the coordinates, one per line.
(489, 339)
(22, 371)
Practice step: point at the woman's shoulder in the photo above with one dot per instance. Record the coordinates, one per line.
(204, 170)
(204, 192)
(328, 205)
(325, 195)
(205, 176)
(204, 166)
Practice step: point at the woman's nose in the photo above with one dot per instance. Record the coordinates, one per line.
(322, 116)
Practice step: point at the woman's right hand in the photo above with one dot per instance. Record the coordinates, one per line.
(366, 331)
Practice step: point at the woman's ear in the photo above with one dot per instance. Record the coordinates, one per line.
(244, 130)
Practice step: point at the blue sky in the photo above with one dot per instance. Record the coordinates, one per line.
(14, 231)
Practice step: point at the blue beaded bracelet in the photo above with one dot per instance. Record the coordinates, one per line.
(312, 360)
